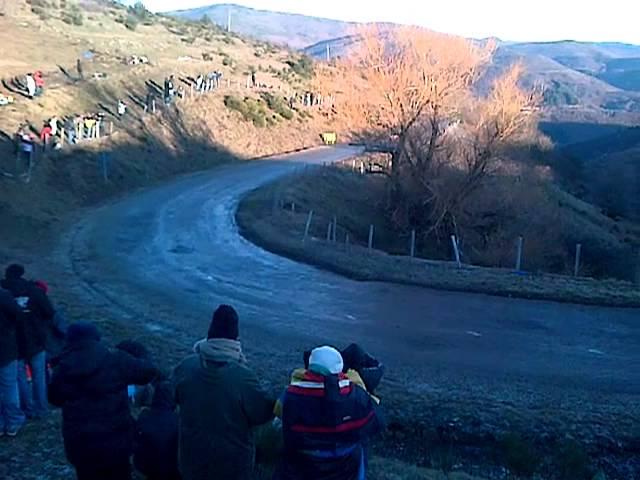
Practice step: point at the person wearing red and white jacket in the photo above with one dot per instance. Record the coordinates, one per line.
(326, 420)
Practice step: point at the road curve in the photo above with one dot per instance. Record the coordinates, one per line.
(173, 252)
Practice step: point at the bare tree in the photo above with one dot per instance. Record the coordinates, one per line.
(416, 90)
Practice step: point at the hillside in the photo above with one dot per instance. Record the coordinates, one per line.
(582, 82)
(595, 82)
(228, 124)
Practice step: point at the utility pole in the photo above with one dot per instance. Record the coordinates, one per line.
(229, 20)
(328, 53)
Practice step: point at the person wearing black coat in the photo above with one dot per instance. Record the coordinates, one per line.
(11, 417)
(33, 327)
(89, 382)
(155, 450)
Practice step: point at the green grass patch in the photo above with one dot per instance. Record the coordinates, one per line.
(252, 110)
(278, 104)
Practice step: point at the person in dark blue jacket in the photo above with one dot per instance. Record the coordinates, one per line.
(90, 382)
(155, 445)
(33, 327)
(11, 416)
(326, 420)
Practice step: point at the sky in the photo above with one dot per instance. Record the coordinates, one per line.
(517, 20)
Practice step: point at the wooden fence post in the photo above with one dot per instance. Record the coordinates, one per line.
(412, 246)
(104, 157)
(307, 226)
(576, 266)
(110, 128)
(370, 243)
(335, 229)
(519, 254)
(62, 135)
(456, 250)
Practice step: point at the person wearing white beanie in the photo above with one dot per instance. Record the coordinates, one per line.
(326, 361)
(326, 421)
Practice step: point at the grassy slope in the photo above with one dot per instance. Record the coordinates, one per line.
(333, 192)
(199, 133)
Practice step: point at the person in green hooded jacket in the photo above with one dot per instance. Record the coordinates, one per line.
(219, 401)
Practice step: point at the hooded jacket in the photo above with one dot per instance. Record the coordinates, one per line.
(325, 421)
(90, 383)
(219, 400)
(9, 313)
(35, 318)
(155, 452)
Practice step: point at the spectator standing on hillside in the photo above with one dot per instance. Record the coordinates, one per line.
(11, 416)
(122, 108)
(34, 325)
(70, 130)
(45, 135)
(90, 126)
(90, 383)
(166, 94)
(31, 85)
(53, 123)
(78, 122)
(172, 88)
(220, 401)
(80, 69)
(25, 144)
(326, 419)
(155, 444)
(39, 81)
(150, 106)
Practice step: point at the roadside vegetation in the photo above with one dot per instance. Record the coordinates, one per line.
(466, 164)
(275, 217)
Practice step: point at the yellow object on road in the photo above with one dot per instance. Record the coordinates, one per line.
(329, 138)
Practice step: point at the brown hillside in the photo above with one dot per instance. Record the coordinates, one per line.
(194, 133)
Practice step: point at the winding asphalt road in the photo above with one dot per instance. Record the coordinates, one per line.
(170, 254)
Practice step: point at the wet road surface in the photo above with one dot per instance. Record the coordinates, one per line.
(170, 254)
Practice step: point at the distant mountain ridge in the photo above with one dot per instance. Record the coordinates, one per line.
(583, 81)
(295, 30)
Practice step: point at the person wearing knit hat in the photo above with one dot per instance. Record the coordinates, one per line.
(325, 361)
(326, 421)
(224, 323)
(220, 402)
(14, 271)
(89, 382)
